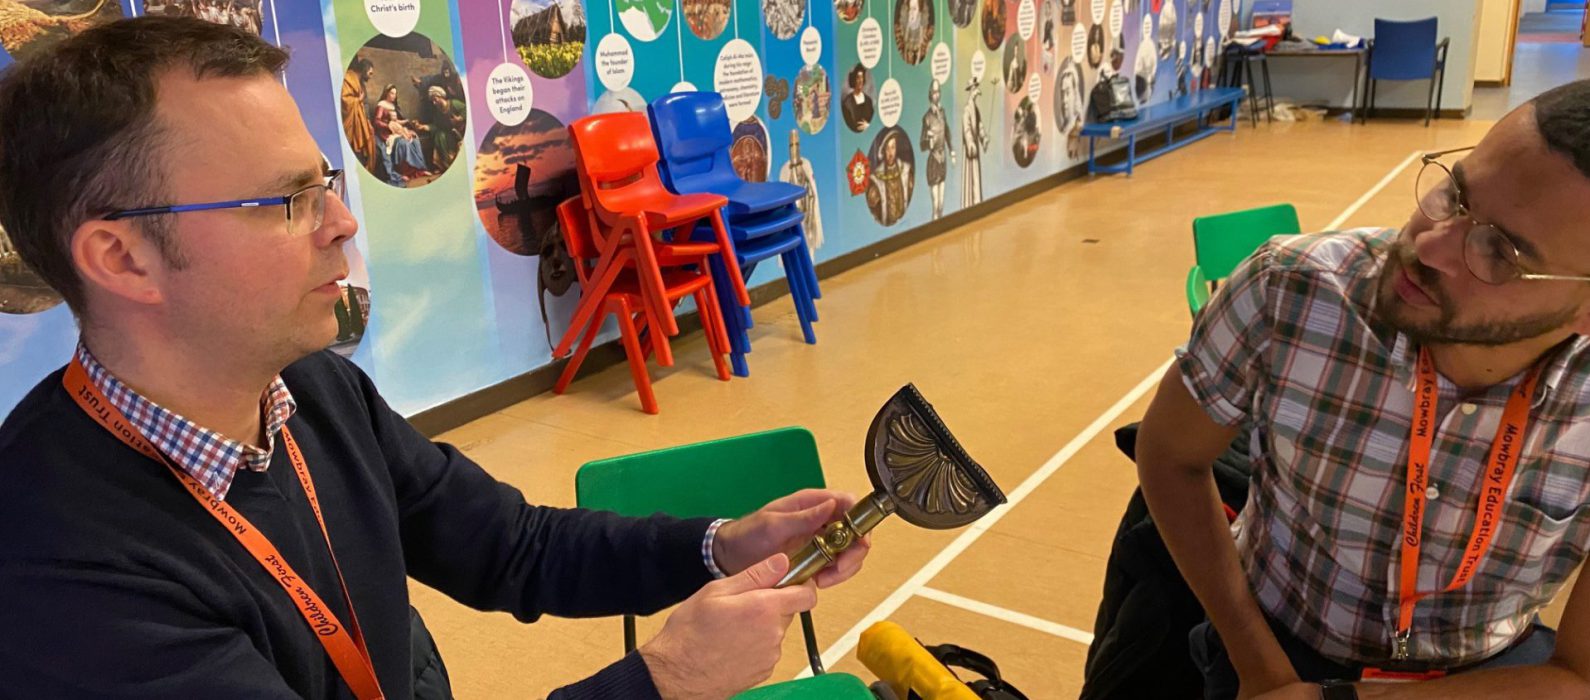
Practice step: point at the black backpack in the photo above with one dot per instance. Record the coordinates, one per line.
(1112, 100)
(990, 687)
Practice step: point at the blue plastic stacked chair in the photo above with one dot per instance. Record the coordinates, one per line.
(694, 136)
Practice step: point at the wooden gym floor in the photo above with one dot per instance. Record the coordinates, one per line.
(1035, 332)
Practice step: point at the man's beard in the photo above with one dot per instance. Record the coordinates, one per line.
(1446, 330)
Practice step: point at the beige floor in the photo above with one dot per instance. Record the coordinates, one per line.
(1023, 329)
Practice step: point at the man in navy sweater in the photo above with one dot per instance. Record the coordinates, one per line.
(204, 504)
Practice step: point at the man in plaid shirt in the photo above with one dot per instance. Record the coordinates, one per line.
(1318, 347)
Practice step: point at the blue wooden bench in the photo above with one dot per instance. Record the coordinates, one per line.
(1166, 115)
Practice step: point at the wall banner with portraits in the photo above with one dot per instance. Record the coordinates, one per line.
(450, 117)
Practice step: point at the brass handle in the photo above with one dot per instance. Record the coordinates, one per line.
(835, 538)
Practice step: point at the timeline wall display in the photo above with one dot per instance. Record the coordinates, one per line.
(451, 119)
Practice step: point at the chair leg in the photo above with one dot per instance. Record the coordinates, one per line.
(809, 632)
(797, 286)
(591, 330)
(810, 267)
(726, 248)
(592, 299)
(728, 306)
(1269, 92)
(653, 295)
(1253, 89)
(712, 327)
(637, 360)
(742, 311)
(739, 335)
(1440, 87)
(643, 333)
(804, 309)
(728, 314)
(1430, 101)
(657, 344)
(808, 274)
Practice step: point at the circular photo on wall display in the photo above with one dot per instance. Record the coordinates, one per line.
(811, 100)
(1024, 132)
(892, 179)
(645, 19)
(29, 27)
(21, 291)
(962, 12)
(620, 100)
(783, 17)
(859, 104)
(550, 35)
(1015, 66)
(247, 14)
(1167, 31)
(353, 309)
(403, 110)
(1068, 98)
(749, 151)
(994, 14)
(707, 18)
(521, 174)
(913, 29)
(848, 10)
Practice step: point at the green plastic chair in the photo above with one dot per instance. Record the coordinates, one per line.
(725, 478)
(1197, 290)
(840, 686)
(1223, 241)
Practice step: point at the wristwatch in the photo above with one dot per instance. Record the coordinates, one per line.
(1337, 690)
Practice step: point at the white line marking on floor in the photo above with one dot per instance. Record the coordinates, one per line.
(1011, 616)
(1353, 208)
(917, 582)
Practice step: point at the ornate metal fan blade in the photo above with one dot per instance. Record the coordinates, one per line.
(914, 459)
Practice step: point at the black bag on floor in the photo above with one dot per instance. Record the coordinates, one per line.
(1139, 649)
(992, 687)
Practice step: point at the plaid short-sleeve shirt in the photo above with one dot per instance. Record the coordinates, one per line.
(1290, 346)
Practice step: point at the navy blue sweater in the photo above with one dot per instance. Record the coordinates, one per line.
(114, 582)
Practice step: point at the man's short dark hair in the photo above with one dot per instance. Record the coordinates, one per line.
(79, 136)
(1563, 116)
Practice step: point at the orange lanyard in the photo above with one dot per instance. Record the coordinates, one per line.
(348, 652)
(1498, 476)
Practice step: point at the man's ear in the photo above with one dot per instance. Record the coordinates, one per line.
(116, 258)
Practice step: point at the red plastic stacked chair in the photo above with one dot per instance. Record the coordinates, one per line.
(632, 217)
(618, 292)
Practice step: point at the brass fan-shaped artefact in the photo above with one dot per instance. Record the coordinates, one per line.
(918, 469)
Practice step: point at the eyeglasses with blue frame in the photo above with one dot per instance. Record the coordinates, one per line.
(306, 208)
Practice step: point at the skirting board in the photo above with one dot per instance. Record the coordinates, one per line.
(488, 400)
(1416, 113)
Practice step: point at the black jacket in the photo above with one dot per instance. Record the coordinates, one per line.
(1139, 649)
